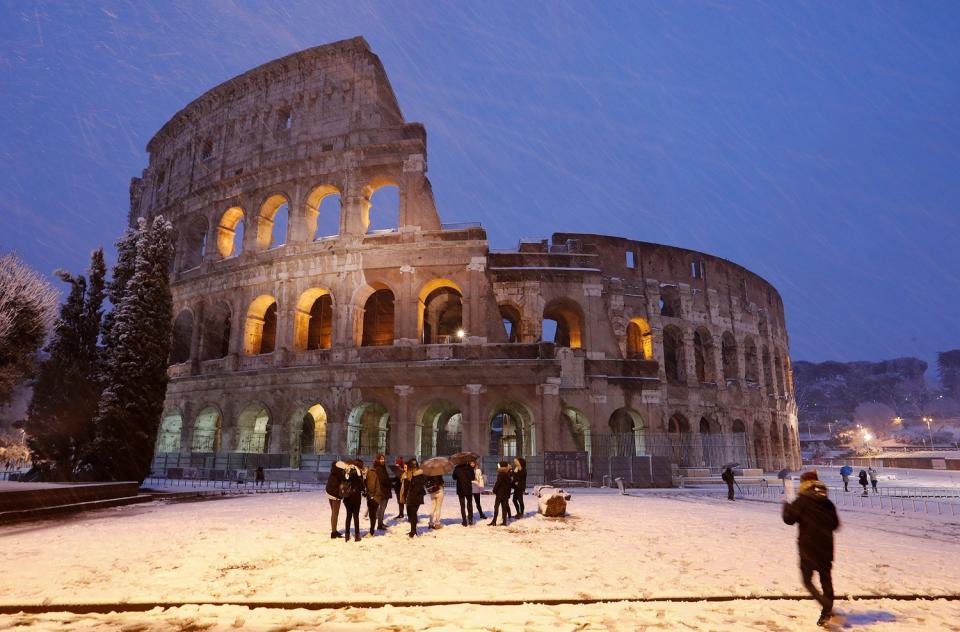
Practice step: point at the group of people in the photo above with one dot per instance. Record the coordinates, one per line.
(351, 481)
(863, 477)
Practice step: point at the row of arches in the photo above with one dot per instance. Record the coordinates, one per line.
(273, 224)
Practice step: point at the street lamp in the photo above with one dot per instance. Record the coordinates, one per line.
(927, 421)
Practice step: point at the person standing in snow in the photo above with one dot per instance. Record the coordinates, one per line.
(816, 518)
(846, 481)
(258, 477)
(872, 473)
(519, 484)
(434, 487)
(398, 482)
(375, 495)
(728, 478)
(463, 476)
(335, 495)
(414, 483)
(501, 493)
(353, 488)
(479, 482)
(862, 479)
(383, 479)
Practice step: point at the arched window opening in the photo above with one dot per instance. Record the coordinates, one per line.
(194, 244)
(579, 427)
(776, 448)
(182, 335)
(272, 222)
(739, 426)
(778, 366)
(378, 315)
(703, 356)
(639, 339)
(368, 427)
(438, 429)
(216, 332)
(729, 353)
(206, 431)
(674, 363)
(253, 429)
(751, 368)
(230, 232)
(768, 372)
(441, 313)
(762, 324)
(627, 433)
(786, 443)
(313, 430)
(510, 316)
(678, 432)
(670, 301)
(168, 439)
(383, 213)
(511, 431)
(568, 319)
(713, 445)
(260, 332)
(323, 212)
(313, 320)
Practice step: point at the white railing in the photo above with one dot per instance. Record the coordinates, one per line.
(859, 501)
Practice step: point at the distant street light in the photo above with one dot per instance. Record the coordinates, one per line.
(927, 420)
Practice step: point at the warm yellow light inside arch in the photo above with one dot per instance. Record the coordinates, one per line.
(253, 327)
(301, 317)
(268, 210)
(227, 229)
(425, 291)
(314, 200)
(643, 343)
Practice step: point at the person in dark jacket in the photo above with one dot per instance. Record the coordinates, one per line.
(353, 488)
(519, 484)
(463, 475)
(400, 467)
(383, 480)
(862, 479)
(501, 492)
(728, 478)
(816, 518)
(375, 494)
(258, 477)
(335, 495)
(414, 488)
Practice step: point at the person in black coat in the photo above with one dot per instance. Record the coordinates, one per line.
(335, 495)
(414, 490)
(353, 487)
(464, 475)
(862, 479)
(817, 519)
(728, 478)
(399, 466)
(501, 492)
(519, 484)
(383, 479)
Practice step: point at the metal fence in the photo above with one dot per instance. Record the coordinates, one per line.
(222, 484)
(683, 449)
(367, 442)
(872, 501)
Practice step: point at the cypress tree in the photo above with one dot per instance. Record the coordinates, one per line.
(66, 392)
(135, 366)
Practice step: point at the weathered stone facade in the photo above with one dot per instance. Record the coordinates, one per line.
(420, 340)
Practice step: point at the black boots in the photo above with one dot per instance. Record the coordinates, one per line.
(335, 534)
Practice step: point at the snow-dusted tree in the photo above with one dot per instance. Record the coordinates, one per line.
(122, 272)
(28, 305)
(66, 392)
(948, 366)
(135, 367)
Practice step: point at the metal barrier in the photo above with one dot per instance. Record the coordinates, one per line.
(872, 501)
(224, 484)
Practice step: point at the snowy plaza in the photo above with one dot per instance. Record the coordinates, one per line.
(615, 562)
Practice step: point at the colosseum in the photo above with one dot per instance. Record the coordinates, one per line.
(309, 326)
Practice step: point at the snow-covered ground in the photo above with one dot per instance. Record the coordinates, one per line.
(276, 548)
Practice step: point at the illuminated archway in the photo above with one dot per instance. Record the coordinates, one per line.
(568, 318)
(438, 429)
(440, 312)
(323, 211)
(639, 339)
(206, 431)
(381, 213)
(510, 315)
(272, 222)
(368, 428)
(260, 329)
(230, 232)
(253, 429)
(313, 320)
(511, 430)
(378, 318)
(627, 432)
(168, 439)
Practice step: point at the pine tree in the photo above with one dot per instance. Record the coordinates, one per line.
(135, 367)
(66, 392)
(122, 272)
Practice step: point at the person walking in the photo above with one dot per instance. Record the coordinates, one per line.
(728, 478)
(872, 473)
(335, 495)
(414, 483)
(375, 495)
(479, 482)
(501, 493)
(434, 487)
(862, 479)
(816, 519)
(519, 484)
(258, 477)
(463, 477)
(353, 488)
(398, 483)
(846, 480)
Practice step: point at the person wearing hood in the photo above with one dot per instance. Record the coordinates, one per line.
(335, 495)
(501, 493)
(353, 488)
(862, 479)
(816, 518)
(378, 492)
(464, 475)
(414, 485)
(519, 484)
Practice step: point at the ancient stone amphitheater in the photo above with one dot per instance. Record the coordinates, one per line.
(303, 332)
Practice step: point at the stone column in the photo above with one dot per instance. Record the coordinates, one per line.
(689, 361)
(406, 308)
(474, 437)
(402, 434)
(195, 339)
(474, 317)
(550, 435)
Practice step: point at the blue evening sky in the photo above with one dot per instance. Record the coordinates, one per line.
(816, 143)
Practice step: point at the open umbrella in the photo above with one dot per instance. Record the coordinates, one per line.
(726, 465)
(437, 466)
(846, 470)
(464, 457)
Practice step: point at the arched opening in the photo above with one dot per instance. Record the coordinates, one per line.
(729, 356)
(438, 429)
(194, 244)
(206, 431)
(313, 320)
(627, 433)
(511, 430)
(786, 443)
(253, 429)
(216, 332)
(579, 427)
(567, 325)
(751, 368)
(674, 363)
(368, 428)
(778, 367)
(678, 432)
(260, 331)
(230, 232)
(440, 307)
(703, 356)
(378, 315)
(768, 372)
(272, 222)
(383, 208)
(712, 444)
(639, 339)
(310, 428)
(182, 335)
(168, 439)
(760, 451)
(776, 448)
(510, 316)
(323, 212)
(670, 301)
